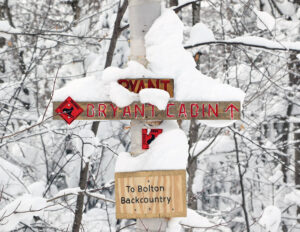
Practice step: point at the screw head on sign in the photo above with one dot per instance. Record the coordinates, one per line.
(69, 110)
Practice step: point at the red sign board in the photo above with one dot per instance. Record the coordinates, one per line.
(136, 85)
(148, 138)
(69, 110)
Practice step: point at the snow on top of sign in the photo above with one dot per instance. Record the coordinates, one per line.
(157, 97)
(85, 89)
(120, 96)
(133, 70)
(167, 59)
(172, 143)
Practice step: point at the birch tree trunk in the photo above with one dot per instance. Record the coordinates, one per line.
(142, 14)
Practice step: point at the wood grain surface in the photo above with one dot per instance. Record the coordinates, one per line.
(150, 194)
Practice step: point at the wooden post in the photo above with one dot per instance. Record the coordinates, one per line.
(142, 14)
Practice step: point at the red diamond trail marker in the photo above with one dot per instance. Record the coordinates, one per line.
(148, 138)
(69, 110)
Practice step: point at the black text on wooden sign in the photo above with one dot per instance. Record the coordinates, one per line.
(175, 110)
(150, 194)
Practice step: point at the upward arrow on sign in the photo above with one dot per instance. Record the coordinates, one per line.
(231, 107)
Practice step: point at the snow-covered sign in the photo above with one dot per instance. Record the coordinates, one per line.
(136, 85)
(224, 110)
(150, 194)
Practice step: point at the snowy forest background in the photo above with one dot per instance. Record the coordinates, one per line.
(245, 177)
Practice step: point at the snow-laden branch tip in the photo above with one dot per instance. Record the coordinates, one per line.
(252, 41)
(76, 191)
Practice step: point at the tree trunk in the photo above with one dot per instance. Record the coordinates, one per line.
(196, 12)
(294, 68)
(294, 81)
(192, 164)
(80, 198)
(173, 3)
(191, 170)
(142, 14)
(297, 2)
(241, 177)
(76, 9)
(193, 131)
(110, 53)
(297, 161)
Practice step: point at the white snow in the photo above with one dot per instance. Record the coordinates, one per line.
(68, 191)
(293, 197)
(277, 175)
(287, 7)
(259, 41)
(85, 142)
(271, 218)
(82, 28)
(37, 188)
(26, 207)
(133, 70)
(215, 153)
(181, 2)
(155, 97)
(6, 29)
(200, 33)
(198, 147)
(168, 151)
(193, 219)
(264, 20)
(167, 56)
(85, 89)
(11, 177)
(120, 96)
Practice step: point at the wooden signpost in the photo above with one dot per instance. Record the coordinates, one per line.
(175, 110)
(204, 110)
(150, 194)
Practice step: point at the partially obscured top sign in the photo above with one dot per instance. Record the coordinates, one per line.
(136, 85)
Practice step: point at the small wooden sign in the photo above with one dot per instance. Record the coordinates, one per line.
(136, 85)
(175, 110)
(150, 194)
(148, 138)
